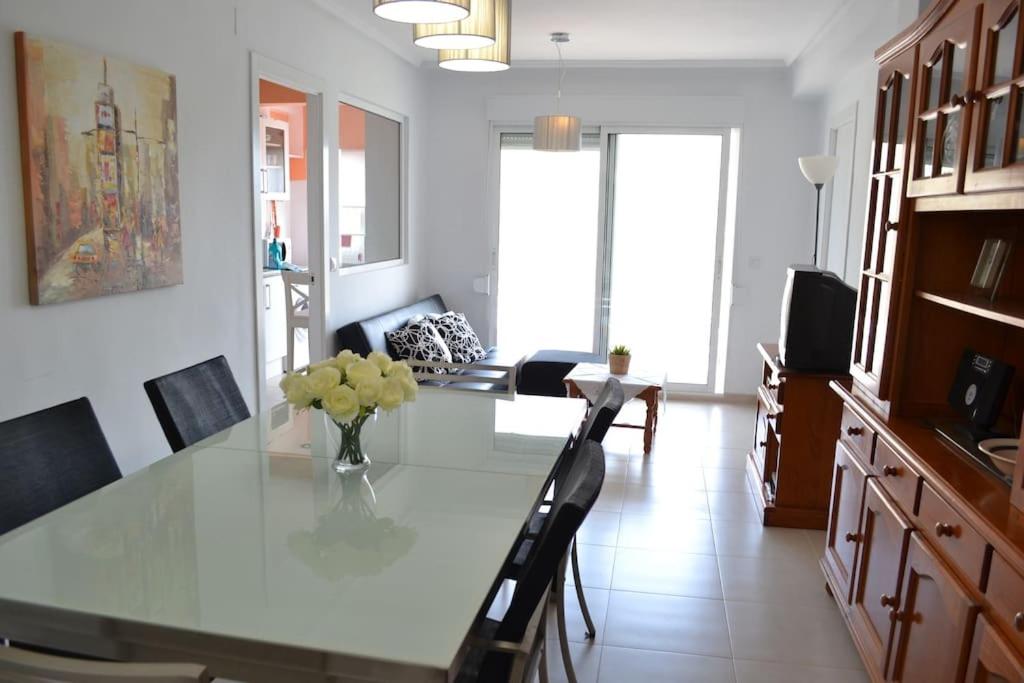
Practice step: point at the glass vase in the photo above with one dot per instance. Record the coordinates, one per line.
(353, 458)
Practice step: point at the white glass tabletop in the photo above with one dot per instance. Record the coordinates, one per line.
(384, 575)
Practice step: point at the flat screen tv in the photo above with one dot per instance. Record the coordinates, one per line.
(818, 311)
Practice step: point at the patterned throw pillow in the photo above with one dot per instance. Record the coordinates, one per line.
(418, 339)
(459, 337)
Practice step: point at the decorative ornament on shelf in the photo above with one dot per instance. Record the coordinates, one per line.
(558, 132)
(618, 360)
(818, 170)
(421, 11)
(495, 57)
(350, 389)
(474, 32)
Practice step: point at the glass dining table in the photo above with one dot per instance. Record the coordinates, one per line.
(247, 553)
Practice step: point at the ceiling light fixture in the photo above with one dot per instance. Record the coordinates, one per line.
(421, 11)
(558, 132)
(496, 57)
(473, 32)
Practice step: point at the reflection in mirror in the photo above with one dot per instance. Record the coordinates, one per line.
(1005, 40)
(901, 114)
(369, 187)
(958, 80)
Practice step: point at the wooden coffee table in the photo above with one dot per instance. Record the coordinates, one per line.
(645, 387)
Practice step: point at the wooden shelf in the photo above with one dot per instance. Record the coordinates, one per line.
(1008, 312)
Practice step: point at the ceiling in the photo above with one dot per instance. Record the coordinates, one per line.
(636, 30)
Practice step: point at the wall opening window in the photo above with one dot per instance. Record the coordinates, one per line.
(638, 262)
(369, 187)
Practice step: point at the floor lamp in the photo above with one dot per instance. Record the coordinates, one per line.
(818, 170)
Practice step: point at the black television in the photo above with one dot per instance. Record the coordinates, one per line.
(818, 311)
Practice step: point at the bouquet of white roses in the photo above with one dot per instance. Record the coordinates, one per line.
(349, 388)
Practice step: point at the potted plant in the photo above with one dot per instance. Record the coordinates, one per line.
(618, 360)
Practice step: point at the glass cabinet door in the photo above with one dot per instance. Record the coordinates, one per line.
(274, 174)
(997, 152)
(881, 235)
(948, 58)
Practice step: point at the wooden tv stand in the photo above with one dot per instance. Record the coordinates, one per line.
(790, 477)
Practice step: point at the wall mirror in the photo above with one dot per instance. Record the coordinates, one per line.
(370, 180)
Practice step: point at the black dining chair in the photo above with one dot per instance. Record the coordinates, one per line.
(510, 649)
(196, 402)
(50, 458)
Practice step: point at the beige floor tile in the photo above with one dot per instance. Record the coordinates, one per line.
(680, 474)
(620, 665)
(600, 528)
(727, 458)
(643, 500)
(792, 634)
(777, 579)
(575, 627)
(667, 572)
(729, 505)
(667, 624)
(748, 671)
(596, 563)
(610, 498)
(720, 479)
(666, 531)
(751, 539)
(586, 659)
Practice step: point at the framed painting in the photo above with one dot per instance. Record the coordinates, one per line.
(99, 154)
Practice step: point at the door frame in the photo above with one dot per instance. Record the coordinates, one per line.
(602, 301)
(263, 67)
(846, 117)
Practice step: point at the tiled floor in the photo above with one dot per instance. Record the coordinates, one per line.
(683, 582)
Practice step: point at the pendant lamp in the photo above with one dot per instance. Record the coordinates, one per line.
(558, 132)
(496, 57)
(473, 32)
(421, 11)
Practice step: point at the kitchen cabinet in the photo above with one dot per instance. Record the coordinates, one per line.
(275, 324)
(275, 176)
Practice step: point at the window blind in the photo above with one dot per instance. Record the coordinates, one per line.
(591, 141)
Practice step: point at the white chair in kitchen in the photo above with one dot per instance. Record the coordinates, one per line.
(296, 292)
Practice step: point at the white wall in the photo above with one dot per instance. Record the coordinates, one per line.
(775, 216)
(106, 348)
(839, 71)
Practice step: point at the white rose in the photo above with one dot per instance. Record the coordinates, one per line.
(392, 393)
(345, 359)
(369, 391)
(400, 369)
(411, 388)
(381, 360)
(321, 381)
(360, 371)
(296, 390)
(329, 363)
(341, 404)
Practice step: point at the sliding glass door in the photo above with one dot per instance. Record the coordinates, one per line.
(618, 244)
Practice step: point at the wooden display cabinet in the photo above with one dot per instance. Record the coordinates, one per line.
(789, 469)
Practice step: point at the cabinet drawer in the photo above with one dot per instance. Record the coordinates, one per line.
(771, 410)
(951, 534)
(776, 387)
(1006, 595)
(899, 478)
(857, 436)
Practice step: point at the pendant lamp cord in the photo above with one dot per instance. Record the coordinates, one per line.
(561, 78)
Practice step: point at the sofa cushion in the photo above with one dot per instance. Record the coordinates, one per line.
(459, 337)
(364, 336)
(418, 339)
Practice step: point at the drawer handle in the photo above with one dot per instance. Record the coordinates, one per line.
(1018, 621)
(854, 431)
(891, 471)
(943, 529)
(773, 387)
(852, 537)
(891, 226)
(889, 601)
(959, 100)
(762, 444)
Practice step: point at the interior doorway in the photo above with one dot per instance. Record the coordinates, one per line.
(288, 230)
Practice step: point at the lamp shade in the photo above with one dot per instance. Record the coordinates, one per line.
(473, 32)
(818, 170)
(421, 11)
(557, 133)
(496, 57)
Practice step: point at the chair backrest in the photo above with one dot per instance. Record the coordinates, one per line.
(296, 292)
(604, 411)
(23, 666)
(196, 402)
(364, 336)
(50, 458)
(573, 500)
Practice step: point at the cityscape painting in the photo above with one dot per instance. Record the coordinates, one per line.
(100, 173)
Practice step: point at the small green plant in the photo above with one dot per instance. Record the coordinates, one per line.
(620, 350)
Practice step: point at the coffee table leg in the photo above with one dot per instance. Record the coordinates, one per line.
(651, 423)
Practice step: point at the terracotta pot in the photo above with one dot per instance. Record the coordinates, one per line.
(618, 365)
